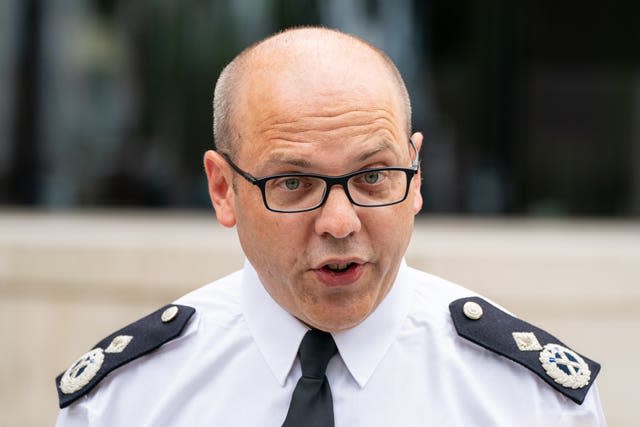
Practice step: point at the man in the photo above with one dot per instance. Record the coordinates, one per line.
(316, 167)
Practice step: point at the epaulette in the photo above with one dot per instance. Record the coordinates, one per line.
(564, 369)
(127, 344)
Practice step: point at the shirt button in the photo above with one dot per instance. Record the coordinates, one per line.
(472, 310)
(169, 314)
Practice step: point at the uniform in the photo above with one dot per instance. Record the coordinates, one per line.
(415, 361)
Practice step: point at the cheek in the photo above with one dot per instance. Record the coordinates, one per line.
(274, 238)
(390, 220)
(285, 231)
(416, 196)
(252, 225)
(390, 231)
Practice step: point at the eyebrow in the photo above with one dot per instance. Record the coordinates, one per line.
(301, 163)
(382, 145)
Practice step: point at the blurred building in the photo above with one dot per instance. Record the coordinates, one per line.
(526, 108)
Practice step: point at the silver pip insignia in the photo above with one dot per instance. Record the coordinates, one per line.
(118, 344)
(526, 341)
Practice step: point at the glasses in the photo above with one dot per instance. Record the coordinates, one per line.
(301, 192)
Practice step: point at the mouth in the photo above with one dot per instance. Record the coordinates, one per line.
(338, 268)
(340, 272)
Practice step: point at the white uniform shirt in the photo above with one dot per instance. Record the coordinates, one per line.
(235, 365)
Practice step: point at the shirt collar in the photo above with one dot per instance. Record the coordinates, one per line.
(363, 347)
(278, 334)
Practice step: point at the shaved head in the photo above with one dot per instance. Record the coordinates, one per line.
(296, 58)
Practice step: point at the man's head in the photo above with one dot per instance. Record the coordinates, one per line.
(313, 100)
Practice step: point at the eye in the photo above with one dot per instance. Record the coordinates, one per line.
(292, 183)
(371, 177)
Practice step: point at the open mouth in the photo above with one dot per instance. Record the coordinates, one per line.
(339, 268)
(341, 273)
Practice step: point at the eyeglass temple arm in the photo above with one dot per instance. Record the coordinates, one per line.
(416, 162)
(252, 179)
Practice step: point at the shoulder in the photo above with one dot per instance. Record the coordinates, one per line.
(221, 297)
(465, 320)
(176, 324)
(563, 369)
(129, 343)
(430, 298)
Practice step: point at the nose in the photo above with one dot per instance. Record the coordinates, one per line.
(337, 217)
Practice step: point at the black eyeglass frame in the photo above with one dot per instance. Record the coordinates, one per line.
(330, 181)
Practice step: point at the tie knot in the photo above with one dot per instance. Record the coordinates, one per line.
(316, 349)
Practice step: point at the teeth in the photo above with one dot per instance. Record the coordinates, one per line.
(337, 266)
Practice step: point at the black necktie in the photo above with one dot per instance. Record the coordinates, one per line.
(311, 404)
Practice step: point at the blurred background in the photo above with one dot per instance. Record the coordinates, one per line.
(529, 108)
(531, 164)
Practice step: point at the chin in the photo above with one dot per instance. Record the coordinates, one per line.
(338, 311)
(336, 322)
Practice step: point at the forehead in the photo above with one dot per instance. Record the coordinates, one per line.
(325, 125)
(323, 101)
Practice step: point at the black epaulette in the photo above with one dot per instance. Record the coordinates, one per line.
(127, 344)
(564, 369)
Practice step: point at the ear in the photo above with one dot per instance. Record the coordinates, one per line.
(417, 180)
(220, 188)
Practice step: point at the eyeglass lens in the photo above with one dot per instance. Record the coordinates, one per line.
(370, 188)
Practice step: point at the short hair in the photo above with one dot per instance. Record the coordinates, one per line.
(226, 137)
